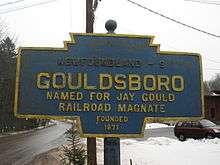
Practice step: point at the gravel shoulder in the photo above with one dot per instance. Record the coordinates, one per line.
(49, 157)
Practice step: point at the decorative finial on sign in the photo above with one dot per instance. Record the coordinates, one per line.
(110, 26)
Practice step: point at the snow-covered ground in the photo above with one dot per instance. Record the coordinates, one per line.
(166, 151)
(156, 125)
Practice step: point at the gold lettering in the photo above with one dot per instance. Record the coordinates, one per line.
(162, 108)
(62, 83)
(43, 84)
(136, 107)
(106, 96)
(86, 107)
(69, 107)
(106, 81)
(171, 97)
(78, 79)
(61, 107)
(64, 96)
(163, 81)
(75, 95)
(100, 107)
(150, 108)
(93, 107)
(120, 82)
(113, 119)
(134, 82)
(56, 96)
(148, 78)
(107, 107)
(179, 79)
(86, 86)
(102, 84)
(49, 95)
(130, 108)
(144, 108)
(121, 108)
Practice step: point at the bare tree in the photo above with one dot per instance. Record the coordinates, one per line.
(215, 83)
(207, 90)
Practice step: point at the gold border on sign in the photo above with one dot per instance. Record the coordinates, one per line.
(77, 118)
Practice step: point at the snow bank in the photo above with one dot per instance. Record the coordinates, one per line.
(156, 125)
(162, 151)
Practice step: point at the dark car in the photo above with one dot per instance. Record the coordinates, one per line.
(196, 130)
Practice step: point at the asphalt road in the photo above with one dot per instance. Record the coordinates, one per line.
(22, 148)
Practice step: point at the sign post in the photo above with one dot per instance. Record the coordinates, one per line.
(112, 151)
(111, 145)
(110, 83)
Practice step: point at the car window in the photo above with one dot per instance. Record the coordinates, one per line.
(195, 124)
(207, 123)
(179, 124)
(187, 124)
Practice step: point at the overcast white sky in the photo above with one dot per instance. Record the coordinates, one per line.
(49, 24)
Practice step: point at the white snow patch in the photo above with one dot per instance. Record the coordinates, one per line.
(161, 141)
(156, 125)
(162, 151)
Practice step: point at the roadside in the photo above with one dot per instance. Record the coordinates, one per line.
(22, 148)
(154, 150)
(52, 156)
(51, 123)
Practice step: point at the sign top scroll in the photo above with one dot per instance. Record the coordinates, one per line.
(110, 83)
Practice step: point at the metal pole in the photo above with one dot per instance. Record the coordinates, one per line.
(111, 145)
(91, 142)
(112, 151)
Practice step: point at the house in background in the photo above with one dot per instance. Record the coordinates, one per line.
(212, 106)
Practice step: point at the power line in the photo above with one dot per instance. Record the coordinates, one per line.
(171, 19)
(10, 3)
(205, 2)
(208, 59)
(28, 6)
(176, 49)
(42, 3)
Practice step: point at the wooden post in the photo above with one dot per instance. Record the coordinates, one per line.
(89, 16)
(91, 151)
(91, 142)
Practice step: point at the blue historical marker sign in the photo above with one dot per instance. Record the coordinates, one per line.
(111, 83)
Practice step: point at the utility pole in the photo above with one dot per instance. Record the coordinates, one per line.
(91, 142)
(89, 16)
